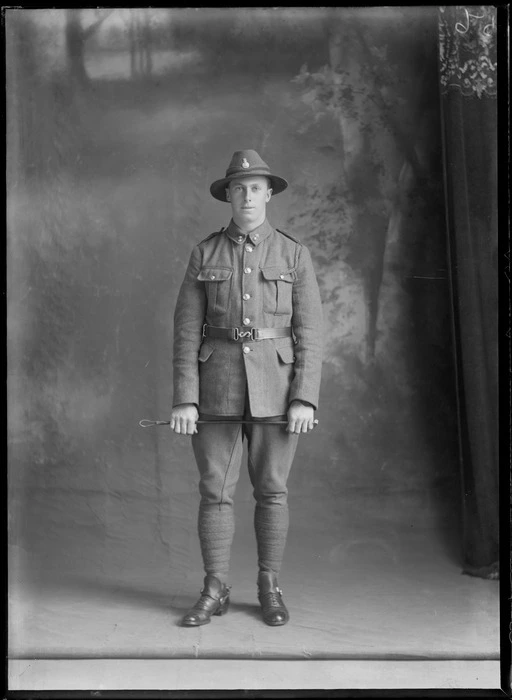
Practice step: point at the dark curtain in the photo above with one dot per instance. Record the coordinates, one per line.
(467, 72)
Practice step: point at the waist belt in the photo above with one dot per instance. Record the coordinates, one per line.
(242, 334)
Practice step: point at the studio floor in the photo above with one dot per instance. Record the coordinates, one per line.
(359, 589)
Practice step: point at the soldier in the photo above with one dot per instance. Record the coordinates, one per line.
(247, 346)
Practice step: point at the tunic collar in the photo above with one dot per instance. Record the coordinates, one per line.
(256, 235)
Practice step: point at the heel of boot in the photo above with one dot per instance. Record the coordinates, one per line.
(223, 607)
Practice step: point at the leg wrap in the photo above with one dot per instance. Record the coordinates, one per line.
(271, 527)
(216, 527)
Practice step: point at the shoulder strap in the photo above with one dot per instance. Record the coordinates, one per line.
(212, 235)
(288, 235)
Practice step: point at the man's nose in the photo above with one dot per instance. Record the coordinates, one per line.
(247, 195)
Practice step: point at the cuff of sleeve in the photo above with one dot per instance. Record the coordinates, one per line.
(185, 397)
(305, 403)
(188, 403)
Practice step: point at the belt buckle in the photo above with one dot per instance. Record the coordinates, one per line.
(240, 335)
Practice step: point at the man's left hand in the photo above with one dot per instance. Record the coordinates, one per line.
(300, 418)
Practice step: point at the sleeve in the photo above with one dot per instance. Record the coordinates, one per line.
(188, 325)
(307, 325)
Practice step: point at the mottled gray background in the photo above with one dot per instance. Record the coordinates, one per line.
(114, 136)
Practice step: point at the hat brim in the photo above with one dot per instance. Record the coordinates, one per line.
(218, 188)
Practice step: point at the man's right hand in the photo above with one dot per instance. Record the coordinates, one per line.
(184, 419)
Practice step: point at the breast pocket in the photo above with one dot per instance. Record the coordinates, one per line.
(218, 287)
(277, 290)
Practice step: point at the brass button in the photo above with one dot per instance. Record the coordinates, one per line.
(246, 297)
(247, 270)
(212, 277)
(281, 276)
(246, 349)
(248, 248)
(247, 321)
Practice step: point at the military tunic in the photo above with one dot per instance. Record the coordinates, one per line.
(264, 279)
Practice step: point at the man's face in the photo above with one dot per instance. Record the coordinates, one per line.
(248, 197)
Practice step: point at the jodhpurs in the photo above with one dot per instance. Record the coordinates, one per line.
(218, 453)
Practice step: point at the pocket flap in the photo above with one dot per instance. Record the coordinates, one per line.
(204, 352)
(278, 273)
(214, 274)
(286, 355)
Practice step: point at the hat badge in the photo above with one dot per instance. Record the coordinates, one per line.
(245, 163)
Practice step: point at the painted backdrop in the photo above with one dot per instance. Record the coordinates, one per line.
(118, 121)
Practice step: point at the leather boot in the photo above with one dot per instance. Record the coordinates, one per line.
(270, 597)
(214, 600)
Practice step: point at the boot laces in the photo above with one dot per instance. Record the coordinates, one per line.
(204, 602)
(273, 598)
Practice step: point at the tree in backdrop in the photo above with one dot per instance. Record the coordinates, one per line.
(77, 36)
(140, 33)
(381, 108)
(377, 230)
(52, 268)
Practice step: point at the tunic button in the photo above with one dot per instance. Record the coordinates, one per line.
(212, 277)
(248, 248)
(281, 276)
(247, 270)
(246, 349)
(246, 297)
(247, 321)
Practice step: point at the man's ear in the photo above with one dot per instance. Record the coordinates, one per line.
(269, 194)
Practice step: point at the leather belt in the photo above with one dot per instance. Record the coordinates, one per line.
(244, 334)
